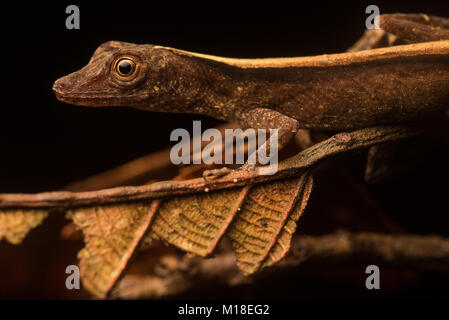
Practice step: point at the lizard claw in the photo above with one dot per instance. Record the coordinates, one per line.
(248, 167)
(216, 173)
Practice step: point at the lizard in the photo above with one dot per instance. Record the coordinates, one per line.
(343, 91)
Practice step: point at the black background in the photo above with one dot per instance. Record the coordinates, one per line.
(46, 144)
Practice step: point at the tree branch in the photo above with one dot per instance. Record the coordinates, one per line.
(338, 144)
(174, 274)
(138, 171)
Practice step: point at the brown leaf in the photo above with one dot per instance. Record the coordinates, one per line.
(262, 231)
(197, 223)
(265, 219)
(16, 223)
(111, 235)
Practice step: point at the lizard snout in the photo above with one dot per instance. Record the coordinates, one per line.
(59, 87)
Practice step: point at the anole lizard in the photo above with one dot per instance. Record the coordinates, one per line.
(403, 83)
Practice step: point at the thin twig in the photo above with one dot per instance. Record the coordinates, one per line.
(337, 144)
(137, 171)
(175, 274)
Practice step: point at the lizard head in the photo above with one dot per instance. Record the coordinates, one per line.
(126, 74)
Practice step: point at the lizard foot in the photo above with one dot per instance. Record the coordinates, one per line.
(248, 167)
(216, 173)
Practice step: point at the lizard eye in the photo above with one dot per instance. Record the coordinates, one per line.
(125, 67)
(127, 71)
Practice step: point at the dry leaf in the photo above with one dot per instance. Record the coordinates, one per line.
(111, 234)
(193, 223)
(16, 223)
(197, 223)
(263, 229)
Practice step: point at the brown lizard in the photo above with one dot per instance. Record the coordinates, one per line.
(346, 91)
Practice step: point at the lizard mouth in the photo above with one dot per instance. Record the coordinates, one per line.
(68, 90)
(91, 98)
(86, 99)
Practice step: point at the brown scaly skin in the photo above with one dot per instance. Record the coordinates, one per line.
(332, 92)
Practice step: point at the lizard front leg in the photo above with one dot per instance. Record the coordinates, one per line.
(264, 118)
(261, 118)
(414, 28)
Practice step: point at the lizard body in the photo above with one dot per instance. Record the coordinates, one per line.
(332, 92)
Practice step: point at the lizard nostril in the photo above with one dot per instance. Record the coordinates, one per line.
(62, 85)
